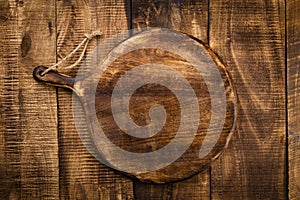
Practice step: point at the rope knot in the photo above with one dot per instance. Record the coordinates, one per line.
(93, 34)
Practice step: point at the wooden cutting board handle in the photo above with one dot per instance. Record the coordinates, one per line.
(53, 78)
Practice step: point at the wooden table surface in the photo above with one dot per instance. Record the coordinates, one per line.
(41, 154)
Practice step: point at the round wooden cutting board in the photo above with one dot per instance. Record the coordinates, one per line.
(159, 107)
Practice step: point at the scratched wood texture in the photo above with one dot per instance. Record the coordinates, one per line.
(293, 64)
(81, 175)
(249, 37)
(28, 116)
(41, 155)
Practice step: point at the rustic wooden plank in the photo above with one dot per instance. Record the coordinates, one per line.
(249, 37)
(190, 17)
(81, 175)
(293, 61)
(28, 132)
(196, 187)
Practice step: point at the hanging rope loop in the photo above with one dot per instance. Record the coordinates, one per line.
(85, 42)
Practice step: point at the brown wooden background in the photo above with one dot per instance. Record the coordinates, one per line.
(41, 155)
